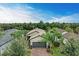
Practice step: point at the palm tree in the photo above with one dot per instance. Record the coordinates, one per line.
(53, 38)
(49, 38)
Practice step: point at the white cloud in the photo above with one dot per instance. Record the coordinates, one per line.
(29, 14)
(74, 18)
(18, 15)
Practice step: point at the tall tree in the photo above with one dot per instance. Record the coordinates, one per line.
(53, 38)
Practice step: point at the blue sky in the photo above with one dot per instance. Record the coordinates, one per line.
(58, 8)
(34, 12)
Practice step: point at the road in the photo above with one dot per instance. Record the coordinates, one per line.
(6, 37)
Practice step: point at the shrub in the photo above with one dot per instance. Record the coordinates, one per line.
(69, 29)
(71, 48)
(77, 30)
(18, 46)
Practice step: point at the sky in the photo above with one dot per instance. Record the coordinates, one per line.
(36, 12)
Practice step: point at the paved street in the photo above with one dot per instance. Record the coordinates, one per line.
(6, 37)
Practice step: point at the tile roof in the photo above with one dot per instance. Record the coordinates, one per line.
(39, 32)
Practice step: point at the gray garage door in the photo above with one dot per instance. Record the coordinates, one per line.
(39, 45)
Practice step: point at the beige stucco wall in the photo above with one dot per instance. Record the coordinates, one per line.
(35, 35)
(37, 39)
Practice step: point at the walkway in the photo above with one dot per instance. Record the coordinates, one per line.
(39, 52)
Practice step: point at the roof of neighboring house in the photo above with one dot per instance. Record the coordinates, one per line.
(39, 32)
(69, 35)
(62, 31)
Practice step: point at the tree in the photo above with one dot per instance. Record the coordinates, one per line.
(77, 30)
(18, 46)
(48, 37)
(41, 25)
(53, 38)
(15, 50)
(71, 48)
(1, 29)
(69, 29)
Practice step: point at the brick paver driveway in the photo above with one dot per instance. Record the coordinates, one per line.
(39, 52)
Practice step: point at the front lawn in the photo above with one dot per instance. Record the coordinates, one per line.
(56, 51)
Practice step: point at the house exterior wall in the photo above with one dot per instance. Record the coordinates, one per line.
(35, 36)
(37, 39)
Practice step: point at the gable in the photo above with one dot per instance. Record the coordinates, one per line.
(35, 33)
(36, 30)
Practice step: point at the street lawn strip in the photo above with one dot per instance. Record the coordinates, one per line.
(1, 33)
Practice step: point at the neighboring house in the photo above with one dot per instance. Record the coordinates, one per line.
(35, 39)
(68, 35)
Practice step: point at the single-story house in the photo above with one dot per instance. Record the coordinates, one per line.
(35, 39)
(68, 35)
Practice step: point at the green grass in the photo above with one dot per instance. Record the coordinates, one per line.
(56, 51)
(1, 33)
(18, 34)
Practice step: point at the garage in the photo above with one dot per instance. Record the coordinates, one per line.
(38, 45)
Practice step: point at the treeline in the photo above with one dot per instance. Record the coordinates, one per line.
(41, 24)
